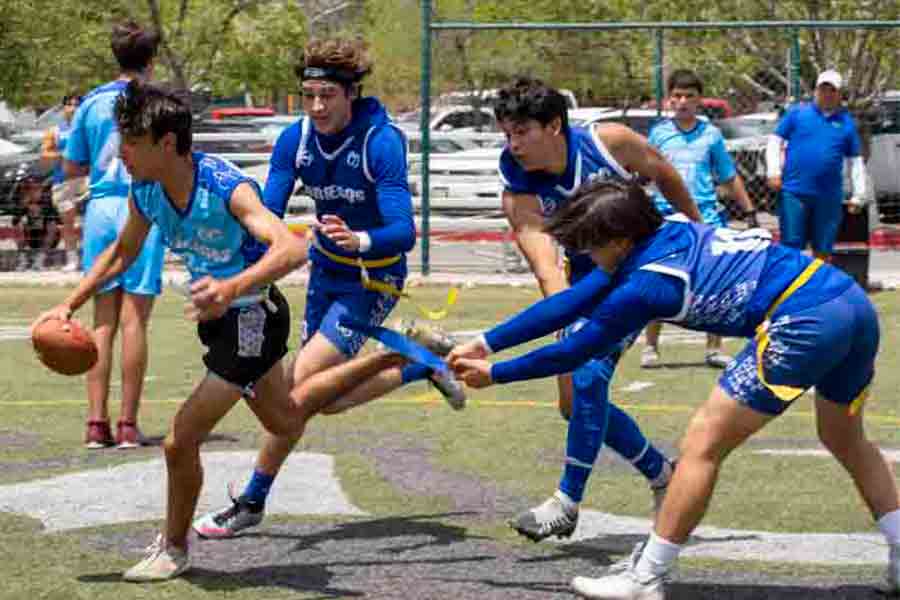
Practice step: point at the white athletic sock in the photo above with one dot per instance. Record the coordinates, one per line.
(569, 505)
(658, 557)
(889, 525)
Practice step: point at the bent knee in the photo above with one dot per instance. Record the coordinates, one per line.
(178, 446)
(705, 442)
(841, 442)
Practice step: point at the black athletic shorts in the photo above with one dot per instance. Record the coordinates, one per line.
(246, 342)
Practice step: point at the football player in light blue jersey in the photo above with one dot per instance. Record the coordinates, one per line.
(65, 195)
(212, 215)
(696, 148)
(809, 325)
(208, 212)
(543, 164)
(125, 302)
(351, 160)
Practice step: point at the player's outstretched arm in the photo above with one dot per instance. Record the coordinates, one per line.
(111, 262)
(523, 211)
(550, 314)
(211, 297)
(635, 154)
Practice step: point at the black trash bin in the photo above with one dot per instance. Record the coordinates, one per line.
(851, 250)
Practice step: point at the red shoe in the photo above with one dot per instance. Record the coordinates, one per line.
(98, 435)
(128, 435)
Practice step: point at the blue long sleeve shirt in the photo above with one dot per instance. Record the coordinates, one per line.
(358, 174)
(645, 296)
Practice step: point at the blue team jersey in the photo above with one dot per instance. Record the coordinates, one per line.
(816, 147)
(699, 156)
(709, 279)
(729, 278)
(62, 140)
(587, 159)
(359, 174)
(94, 141)
(206, 234)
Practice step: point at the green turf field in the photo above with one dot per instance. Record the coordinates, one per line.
(510, 436)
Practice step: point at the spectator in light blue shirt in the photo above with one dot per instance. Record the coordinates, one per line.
(819, 135)
(696, 148)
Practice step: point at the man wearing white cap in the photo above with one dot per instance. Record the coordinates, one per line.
(819, 136)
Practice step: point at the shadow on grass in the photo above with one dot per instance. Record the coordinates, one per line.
(678, 365)
(157, 440)
(317, 577)
(600, 549)
(699, 591)
(439, 533)
(299, 577)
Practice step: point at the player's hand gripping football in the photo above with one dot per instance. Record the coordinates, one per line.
(61, 312)
(210, 298)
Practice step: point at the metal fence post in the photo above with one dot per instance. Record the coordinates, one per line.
(796, 90)
(425, 124)
(658, 61)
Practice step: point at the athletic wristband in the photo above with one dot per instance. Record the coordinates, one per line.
(365, 242)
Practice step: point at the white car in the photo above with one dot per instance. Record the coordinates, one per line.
(470, 98)
(8, 148)
(452, 118)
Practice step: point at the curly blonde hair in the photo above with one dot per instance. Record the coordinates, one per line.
(337, 53)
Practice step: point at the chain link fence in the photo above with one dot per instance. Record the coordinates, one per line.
(752, 74)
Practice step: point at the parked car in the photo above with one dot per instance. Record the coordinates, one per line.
(238, 112)
(272, 126)
(233, 137)
(639, 119)
(884, 157)
(488, 96)
(442, 145)
(7, 147)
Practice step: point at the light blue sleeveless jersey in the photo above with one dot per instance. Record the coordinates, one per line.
(94, 140)
(206, 235)
(700, 157)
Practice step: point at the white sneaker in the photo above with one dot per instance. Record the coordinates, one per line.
(546, 519)
(162, 562)
(622, 582)
(650, 358)
(717, 359)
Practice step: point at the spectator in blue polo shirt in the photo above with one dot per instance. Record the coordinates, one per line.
(819, 136)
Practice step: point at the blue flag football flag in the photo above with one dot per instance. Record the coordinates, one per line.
(398, 343)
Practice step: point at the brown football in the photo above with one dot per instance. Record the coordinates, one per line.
(65, 347)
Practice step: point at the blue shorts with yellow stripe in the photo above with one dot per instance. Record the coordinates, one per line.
(831, 345)
(333, 293)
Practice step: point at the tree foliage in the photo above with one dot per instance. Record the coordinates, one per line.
(47, 49)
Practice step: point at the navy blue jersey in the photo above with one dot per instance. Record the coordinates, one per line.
(359, 174)
(709, 279)
(587, 159)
